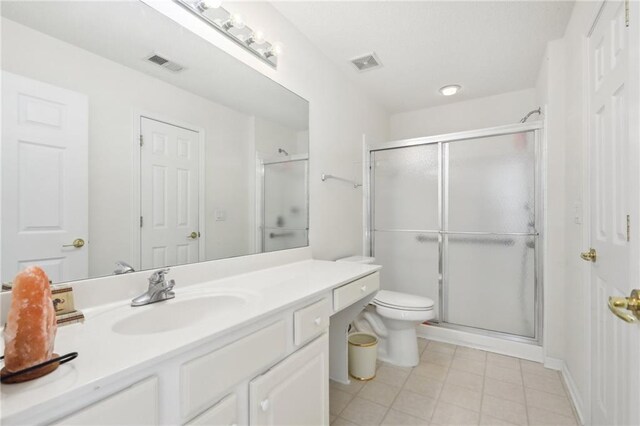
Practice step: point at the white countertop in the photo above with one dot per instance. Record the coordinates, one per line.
(104, 353)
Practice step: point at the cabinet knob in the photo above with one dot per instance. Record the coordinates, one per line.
(363, 288)
(264, 405)
(317, 321)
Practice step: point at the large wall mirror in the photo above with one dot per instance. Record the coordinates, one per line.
(127, 138)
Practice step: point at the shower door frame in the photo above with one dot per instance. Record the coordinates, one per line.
(537, 127)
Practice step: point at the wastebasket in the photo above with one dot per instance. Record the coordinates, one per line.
(363, 351)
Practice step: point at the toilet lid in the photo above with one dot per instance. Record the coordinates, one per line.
(394, 299)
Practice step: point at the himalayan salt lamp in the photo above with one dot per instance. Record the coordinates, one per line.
(31, 323)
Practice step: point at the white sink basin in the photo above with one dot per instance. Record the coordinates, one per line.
(178, 313)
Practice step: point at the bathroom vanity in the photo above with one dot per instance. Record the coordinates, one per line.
(245, 348)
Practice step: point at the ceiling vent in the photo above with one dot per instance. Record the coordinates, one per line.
(165, 63)
(366, 62)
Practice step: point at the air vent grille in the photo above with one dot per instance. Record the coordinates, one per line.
(367, 62)
(165, 63)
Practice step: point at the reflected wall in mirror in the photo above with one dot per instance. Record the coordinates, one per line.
(128, 138)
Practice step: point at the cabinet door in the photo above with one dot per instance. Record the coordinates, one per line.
(294, 392)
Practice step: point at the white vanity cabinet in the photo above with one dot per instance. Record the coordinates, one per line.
(296, 391)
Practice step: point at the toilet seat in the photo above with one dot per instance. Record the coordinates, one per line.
(402, 301)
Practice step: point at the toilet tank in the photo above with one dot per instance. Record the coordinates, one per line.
(358, 259)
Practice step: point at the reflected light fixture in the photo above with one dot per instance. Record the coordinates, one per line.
(233, 26)
(450, 89)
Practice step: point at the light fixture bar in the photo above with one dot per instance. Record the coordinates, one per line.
(233, 26)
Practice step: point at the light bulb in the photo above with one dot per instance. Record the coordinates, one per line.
(236, 21)
(258, 37)
(450, 90)
(203, 5)
(274, 50)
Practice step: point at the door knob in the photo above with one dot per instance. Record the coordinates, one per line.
(194, 235)
(631, 303)
(589, 256)
(77, 243)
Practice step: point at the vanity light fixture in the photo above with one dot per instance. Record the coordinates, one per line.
(450, 89)
(233, 26)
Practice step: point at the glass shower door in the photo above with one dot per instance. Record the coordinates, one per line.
(490, 233)
(406, 218)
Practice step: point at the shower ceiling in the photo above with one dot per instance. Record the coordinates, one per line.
(487, 47)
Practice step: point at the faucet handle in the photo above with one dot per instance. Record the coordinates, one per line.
(158, 276)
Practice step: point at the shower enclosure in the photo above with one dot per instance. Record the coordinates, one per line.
(455, 218)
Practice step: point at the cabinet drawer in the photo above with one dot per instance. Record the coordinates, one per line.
(310, 321)
(352, 292)
(224, 413)
(137, 405)
(205, 379)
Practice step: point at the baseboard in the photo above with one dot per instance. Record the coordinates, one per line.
(486, 343)
(578, 404)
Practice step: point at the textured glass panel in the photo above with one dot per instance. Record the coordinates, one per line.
(406, 188)
(409, 263)
(491, 184)
(489, 283)
(285, 195)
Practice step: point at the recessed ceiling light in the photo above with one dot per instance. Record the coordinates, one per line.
(450, 89)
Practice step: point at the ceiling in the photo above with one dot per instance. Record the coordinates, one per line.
(487, 47)
(128, 32)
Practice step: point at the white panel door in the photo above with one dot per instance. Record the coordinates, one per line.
(294, 392)
(44, 179)
(614, 186)
(169, 174)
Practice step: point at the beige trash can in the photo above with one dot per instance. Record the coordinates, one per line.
(363, 352)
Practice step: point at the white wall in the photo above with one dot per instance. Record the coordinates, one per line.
(490, 111)
(340, 113)
(114, 92)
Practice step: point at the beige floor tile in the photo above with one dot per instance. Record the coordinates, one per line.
(470, 353)
(503, 361)
(447, 348)
(470, 381)
(394, 376)
(342, 422)
(332, 418)
(489, 420)
(353, 388)
(379, 392)
(543, 383)
(538, 416)
(469, 365)
(415, 404)
(503, 409)
(448, 414)
(338, 400)
(433, 371)
(439, 358)
(530, 367)
(363, 412)
(424, 385)
(505, 374)
(422, 344)
(504, 390)
(462, 397)
(398, 418)
(558, 404)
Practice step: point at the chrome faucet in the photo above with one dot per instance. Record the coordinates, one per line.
(123, 267)
(159, 289)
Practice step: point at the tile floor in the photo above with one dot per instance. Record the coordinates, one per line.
(454, 385)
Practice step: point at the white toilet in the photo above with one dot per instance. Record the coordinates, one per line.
(393, 317)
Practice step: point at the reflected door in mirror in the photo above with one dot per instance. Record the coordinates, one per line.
(44, 179)
(169, 179)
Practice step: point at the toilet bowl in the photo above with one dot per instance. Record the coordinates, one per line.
(393, 316)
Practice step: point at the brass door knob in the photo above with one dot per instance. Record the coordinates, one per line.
(589, 256)
(631, 303)
(77, 243)
(194, 235)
